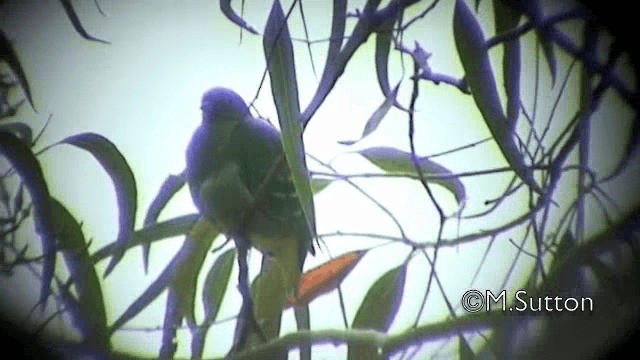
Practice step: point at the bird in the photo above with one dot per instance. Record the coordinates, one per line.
(240, 182)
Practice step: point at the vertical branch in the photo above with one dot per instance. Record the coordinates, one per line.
(425, 185)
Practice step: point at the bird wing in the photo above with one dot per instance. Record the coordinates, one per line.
(279, 203)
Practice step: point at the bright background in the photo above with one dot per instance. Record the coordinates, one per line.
(143, 90)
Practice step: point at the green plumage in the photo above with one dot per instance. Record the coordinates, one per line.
(228, 159)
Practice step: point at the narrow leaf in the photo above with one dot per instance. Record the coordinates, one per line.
(396, 161)
(338, 21)
(171, 185)
(75, 21)
(147, 297)
(172, 320)
(9, 56)
(383, 48)
(123, 180)
(215, 286)
(166, 229)
(225, 7)
(21, 130)
(278, 51)
(377, 116)
(507, 18)
(324, 278)
(188, 256)
(535, 10)
(630, 148)
(319, 184)
(473, 54)
(28, 167)
(549, 55)
(378, 309)
(189, 263)
(92, 318)
(182, 290)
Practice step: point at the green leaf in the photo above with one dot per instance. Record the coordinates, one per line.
(396, 161)
(21, 130)
(473, 54)
(171, 185)
(549, 55)
(172, 320)
(507, 18)
(28, 167)
(215, 286)
(319, 184)
(176, 276)
(377, 116)
(278, 52)
(147, 297)
(123, 180)
(182, 290)
(225, 7)
(536, 11)
(631, 147)
(338, 21)
(9, 56)
(384, 37)
(166, 229)
(91, 319)
(75, 21)
(378, 309)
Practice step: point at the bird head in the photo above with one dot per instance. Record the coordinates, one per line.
(221, 104)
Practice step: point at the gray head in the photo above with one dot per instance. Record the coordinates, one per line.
(222, 104)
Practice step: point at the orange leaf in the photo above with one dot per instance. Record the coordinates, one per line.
(324, 278)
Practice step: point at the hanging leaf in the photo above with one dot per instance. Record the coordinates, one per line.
(225, 7)
(172, 320)
(396, 161)
(338, 21)
(377, 116)
(630, 148)
(184, 264)
(378, 309)
(324, 278)
(91, 319)
(384, 36)
(535, 10)
(549, 55)
(182, 290)
(123, 180)
(278, 52)
(147, 297)
(507, 18)
(470, 43)
(75, 21)
(9, 56)
(28, 167)
(188, 264)
(21, 130)
(171, 185)
(215, 286)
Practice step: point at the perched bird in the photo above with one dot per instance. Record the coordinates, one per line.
(240, 182)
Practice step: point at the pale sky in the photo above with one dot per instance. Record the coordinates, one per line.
(143, 90)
